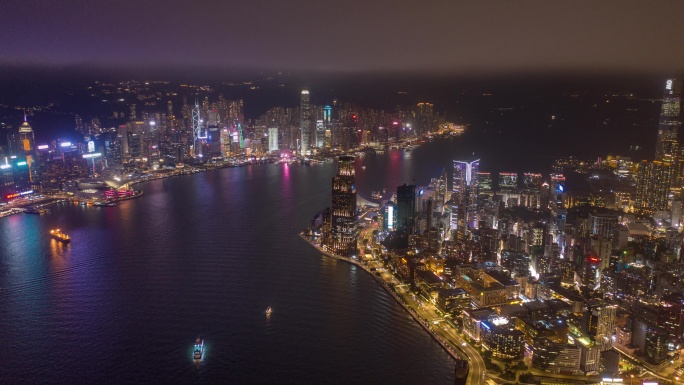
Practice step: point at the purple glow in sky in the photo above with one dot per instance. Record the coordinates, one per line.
(353, 35)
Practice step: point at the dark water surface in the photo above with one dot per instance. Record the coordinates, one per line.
(205, 255)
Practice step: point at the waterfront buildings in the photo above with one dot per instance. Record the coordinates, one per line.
(536, 240)
(273, 139)
(305, 123)
(19, 167)
(558, 267)
(342, 237)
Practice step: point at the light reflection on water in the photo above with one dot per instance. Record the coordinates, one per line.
(205, 254)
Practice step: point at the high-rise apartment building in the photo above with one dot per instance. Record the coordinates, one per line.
(599, 321)
(653, 185)
(424, 117)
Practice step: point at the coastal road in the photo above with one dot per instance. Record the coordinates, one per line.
(425, 313)
(447, 334)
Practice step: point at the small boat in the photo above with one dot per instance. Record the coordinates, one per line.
(269, 310)
(60, 236)
(199, 349)
(104, 204)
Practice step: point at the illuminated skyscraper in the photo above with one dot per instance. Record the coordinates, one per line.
(27, 147)
(273, 139)
(343, 237)
(198, 129)
(532, 180)
(213, 135)
(599, 323)
(484, 179)
(424, 118)
(305, 123)
(464, 195)
(653, 183)
(508, 181)
(406, 207)
(389, 216)
(26, 139)
(320, 134)
(670, 119)
(327, 122)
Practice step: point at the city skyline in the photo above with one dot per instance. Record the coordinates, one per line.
(559, 249)
(447, 192)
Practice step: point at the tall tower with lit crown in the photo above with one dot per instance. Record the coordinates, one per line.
(26, 144)
(670, 120)
(305, 123)
(343, 236)
(464, 195)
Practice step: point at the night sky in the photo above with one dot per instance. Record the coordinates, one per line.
(354, 35)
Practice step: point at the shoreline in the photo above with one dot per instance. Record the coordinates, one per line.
(57, 198)
(453, 354)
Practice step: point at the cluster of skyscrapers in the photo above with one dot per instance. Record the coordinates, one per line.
(205, 131)
(575, 269)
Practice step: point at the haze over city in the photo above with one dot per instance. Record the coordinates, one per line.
(353, 36)
(294, 192)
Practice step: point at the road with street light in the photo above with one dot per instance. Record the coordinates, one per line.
(442, 330)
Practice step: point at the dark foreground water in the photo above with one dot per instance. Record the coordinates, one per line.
(205, 255)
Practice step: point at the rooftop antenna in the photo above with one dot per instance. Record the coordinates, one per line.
(24, 114)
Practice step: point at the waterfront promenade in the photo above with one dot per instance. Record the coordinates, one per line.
(441, 330)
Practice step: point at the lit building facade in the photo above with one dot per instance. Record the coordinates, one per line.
(502, 339)
(670, 120)
(305, 123)
(26, 149)
(653, 185)
(273, 139)
(406, 207)
(508, 181)
(342, 239)
(554, 357)
(389, 217)
(464, 195)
